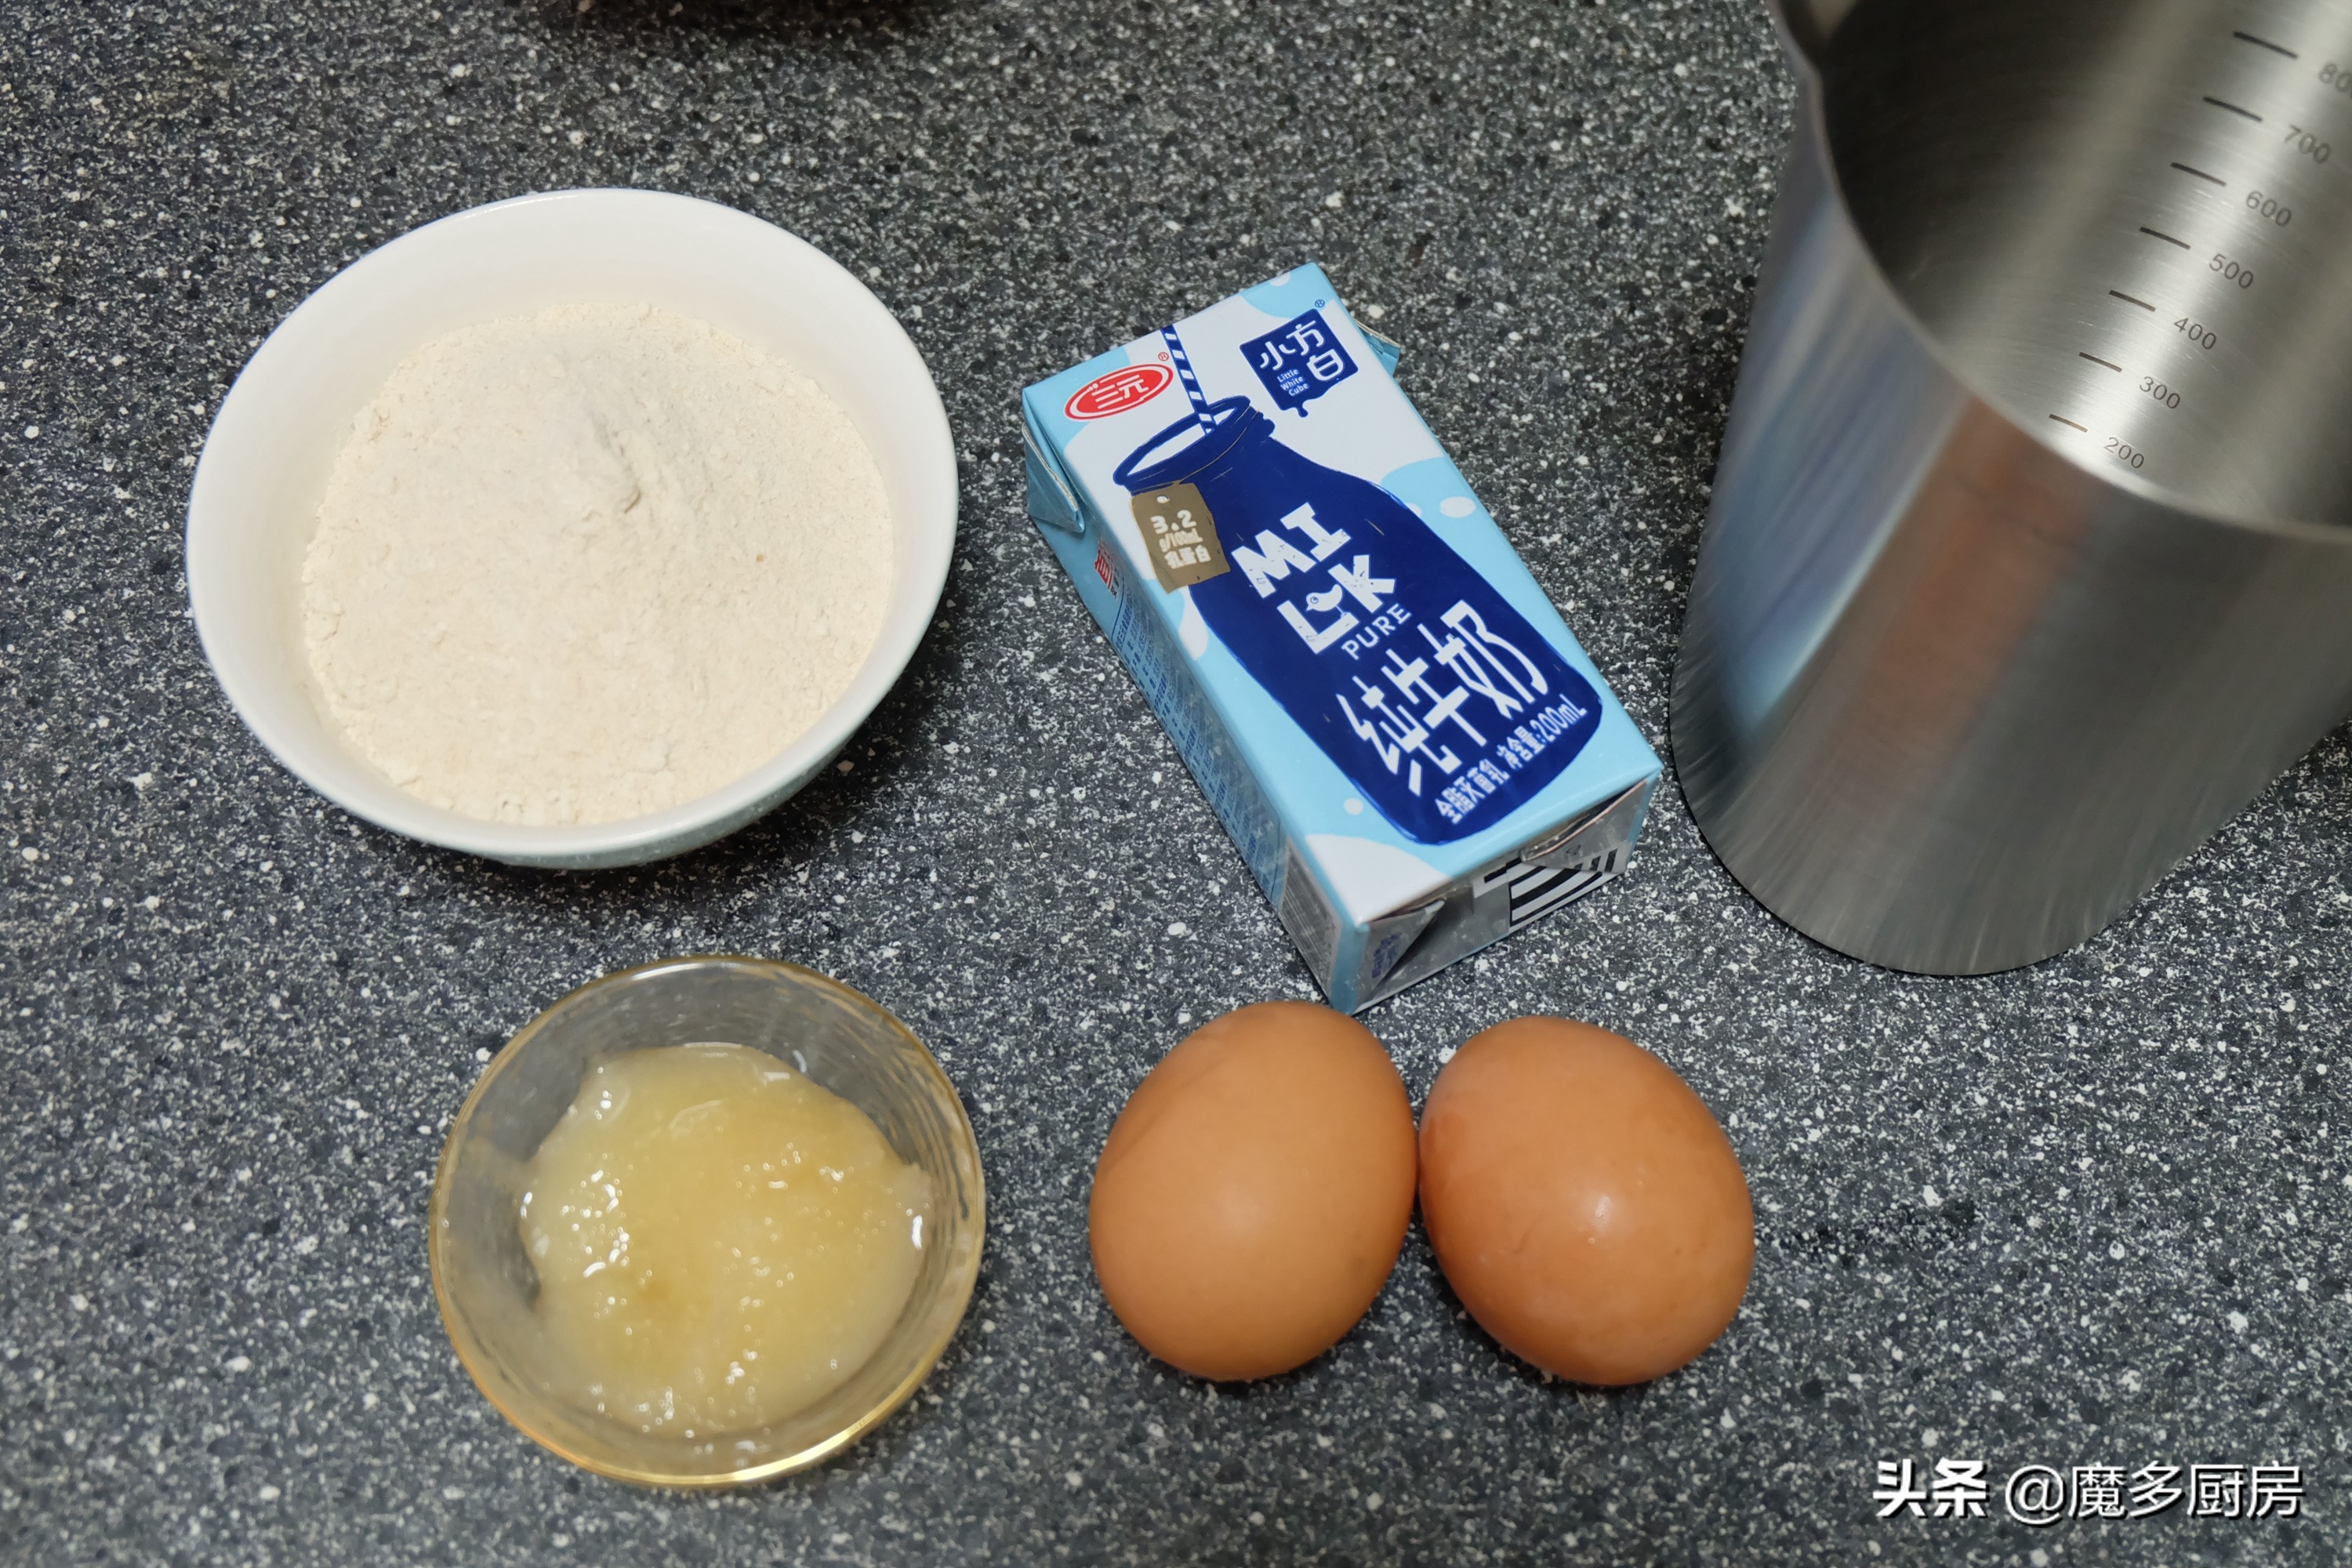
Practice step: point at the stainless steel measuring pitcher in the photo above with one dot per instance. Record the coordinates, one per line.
(2030, 559)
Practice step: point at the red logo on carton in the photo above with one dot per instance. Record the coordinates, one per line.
(1119, 391)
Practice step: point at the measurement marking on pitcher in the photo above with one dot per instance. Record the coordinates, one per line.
(2234, 109)
(2062, 419)
(2160, 234)
(2096, 360)
(2127, 300)
(2264, 44)
(2309, 145)
(2199, 174)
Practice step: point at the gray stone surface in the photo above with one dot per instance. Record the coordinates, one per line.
(2090, 1213)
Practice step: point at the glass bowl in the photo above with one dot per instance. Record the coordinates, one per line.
(845, 1042)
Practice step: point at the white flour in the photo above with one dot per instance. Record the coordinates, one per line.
(590, 563)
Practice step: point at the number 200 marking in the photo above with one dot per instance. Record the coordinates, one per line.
(2124, 453)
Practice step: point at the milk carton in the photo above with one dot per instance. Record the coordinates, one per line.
(1411, 752)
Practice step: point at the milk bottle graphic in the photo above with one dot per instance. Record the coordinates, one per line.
(1439, 703)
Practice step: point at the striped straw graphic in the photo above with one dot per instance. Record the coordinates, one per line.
(1192, 382)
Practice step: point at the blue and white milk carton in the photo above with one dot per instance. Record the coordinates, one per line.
(1390, 718)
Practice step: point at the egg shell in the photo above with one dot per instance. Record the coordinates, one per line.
(1582, 1201)
(1253, 1195)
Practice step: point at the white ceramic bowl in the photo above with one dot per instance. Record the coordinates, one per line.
(265, 463)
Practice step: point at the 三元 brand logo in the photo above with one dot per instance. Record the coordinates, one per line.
(1117, 391)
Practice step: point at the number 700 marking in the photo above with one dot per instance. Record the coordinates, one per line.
(2309, 145)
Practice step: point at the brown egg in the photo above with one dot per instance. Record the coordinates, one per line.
(1253, 1195)
(1582, 1202)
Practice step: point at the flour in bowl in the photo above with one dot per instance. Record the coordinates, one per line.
(590, 563)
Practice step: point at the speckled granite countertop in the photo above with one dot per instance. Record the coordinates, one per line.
(2092, 1213)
